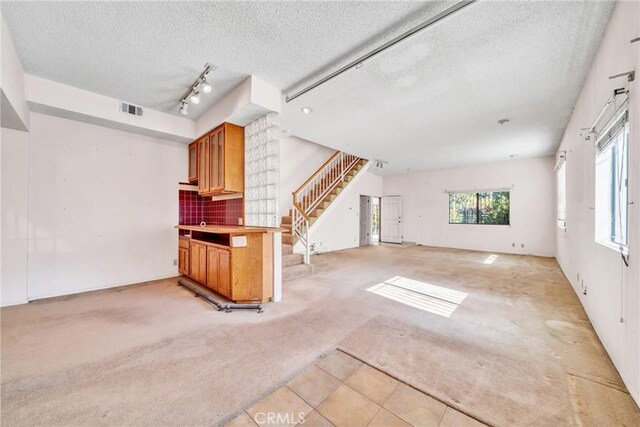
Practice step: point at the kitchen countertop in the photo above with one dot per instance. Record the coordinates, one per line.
(229, 229)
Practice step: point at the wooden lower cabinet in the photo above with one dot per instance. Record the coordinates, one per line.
(184, 264)
(242, 273)
(198, 262)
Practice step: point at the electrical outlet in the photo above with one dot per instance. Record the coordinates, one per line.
(522, 245)
(513, 245)
(175, 262)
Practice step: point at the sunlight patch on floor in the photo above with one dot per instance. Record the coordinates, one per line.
(490, 259)
(421, 295)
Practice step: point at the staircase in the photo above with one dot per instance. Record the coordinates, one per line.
(310, 200)
(293, 265)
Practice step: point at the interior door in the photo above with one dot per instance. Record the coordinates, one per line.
(365, 220)
(391, 224)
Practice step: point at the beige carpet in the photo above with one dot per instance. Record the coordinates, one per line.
(153, 354)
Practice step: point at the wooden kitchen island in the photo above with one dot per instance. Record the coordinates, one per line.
(236, 262)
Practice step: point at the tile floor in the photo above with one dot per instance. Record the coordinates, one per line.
(340, 390)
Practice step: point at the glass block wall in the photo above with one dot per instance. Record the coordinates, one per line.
(262, 171)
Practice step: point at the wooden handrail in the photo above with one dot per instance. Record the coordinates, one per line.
(317, 172)
(299, 208)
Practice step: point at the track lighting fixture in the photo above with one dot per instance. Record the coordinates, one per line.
(193, 95)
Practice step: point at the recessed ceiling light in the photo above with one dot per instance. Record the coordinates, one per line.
(306, 110)
(503, 122)
(195, 97)
(358, 65)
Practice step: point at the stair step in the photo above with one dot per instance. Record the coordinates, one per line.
(287, 249)
(292, 259)
(286, 220)
(297, 272)
(287, 238)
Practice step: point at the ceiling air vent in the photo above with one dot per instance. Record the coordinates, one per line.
(131, 109)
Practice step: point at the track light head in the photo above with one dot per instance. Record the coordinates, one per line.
(184, 108)
(205, 86)
(195, 97)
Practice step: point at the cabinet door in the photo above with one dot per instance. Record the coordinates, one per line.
(203, 166)
(224, 273)
(183, 261)
(199, 263)
(193, 261)
(213, 161)
(193, 162)
(213, 256)
(220, 160)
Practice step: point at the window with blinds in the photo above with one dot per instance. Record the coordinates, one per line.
(612, 177)
(561, 182)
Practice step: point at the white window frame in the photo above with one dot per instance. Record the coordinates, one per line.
(611, 183)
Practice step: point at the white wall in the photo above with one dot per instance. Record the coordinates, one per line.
(47, 96)
(612, 289)
(299, 159)
(247, 102)
(532, 212)
(339, 227)
(102, 206)
(14, 148)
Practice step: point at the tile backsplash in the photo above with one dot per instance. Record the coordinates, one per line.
(193, 209)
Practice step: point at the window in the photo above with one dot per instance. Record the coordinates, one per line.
(490, 207)
(561, 179)
(612, 172)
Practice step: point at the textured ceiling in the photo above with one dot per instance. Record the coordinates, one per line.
(432, 101)
(149, 53)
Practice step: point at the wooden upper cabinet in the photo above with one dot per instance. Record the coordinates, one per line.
(221, 161)
(193, 161)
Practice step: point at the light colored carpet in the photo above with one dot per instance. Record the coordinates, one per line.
(153, 354)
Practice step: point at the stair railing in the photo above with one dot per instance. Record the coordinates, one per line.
(314, 190)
